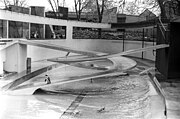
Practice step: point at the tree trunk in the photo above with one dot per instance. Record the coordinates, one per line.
(77, 4)
(99, 33)
(178, 8)
(169, 9)
(162, 7)
(100, 15)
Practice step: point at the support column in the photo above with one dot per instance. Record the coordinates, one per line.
(22, 57)
(7, 26)
(29, 30)
(1, 63)
(16, 56)
(44, 30)
(69, 32)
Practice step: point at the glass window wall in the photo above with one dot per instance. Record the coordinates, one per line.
(3, 29)
(18, 29)
(55, 32)
(37, 31)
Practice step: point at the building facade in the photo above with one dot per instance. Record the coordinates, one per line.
(17, 29)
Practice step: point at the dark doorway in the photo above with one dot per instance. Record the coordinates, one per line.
(168, 59)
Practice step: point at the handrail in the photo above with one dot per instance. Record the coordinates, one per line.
(158, 89)
(162, 23)
(163, 29)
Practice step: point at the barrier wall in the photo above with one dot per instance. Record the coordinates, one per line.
(106, 46)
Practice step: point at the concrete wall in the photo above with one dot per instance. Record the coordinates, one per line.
(106, 46)
(11, 63)
(1, 61)
(14, 58)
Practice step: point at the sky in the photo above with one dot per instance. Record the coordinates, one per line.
(68, 3)
(44, 3)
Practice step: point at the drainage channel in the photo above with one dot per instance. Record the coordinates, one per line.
(71, 109)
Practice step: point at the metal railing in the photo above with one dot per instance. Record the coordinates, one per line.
(163, 33)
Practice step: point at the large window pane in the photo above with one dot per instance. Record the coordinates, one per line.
(26, 30)
(55, 32)
(3, 29)
(15, 29)
(37, 31)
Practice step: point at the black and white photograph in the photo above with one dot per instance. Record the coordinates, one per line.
(89, 59)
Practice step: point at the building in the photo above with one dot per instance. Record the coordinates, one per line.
(18, 9)
(146, 15)
(40, 31)
(111, 16)
(61, 14)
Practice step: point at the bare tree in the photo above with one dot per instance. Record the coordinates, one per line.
(103, 5)
(21, 3)
(55, 6)
(80, 5)
(136, 7)
(97, 7)
(131, 8)
(121, 5)
(168, 8)
(100, 9)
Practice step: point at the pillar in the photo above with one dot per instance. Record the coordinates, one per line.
(44, 31)
(1, 63)
(69, 32)
(16, 56)
(29, 30)
(7, 26)
(22, 57)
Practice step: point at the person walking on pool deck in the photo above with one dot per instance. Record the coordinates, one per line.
(47, 80)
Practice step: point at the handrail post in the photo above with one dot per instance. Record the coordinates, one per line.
(123, 39)
(143, 44)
